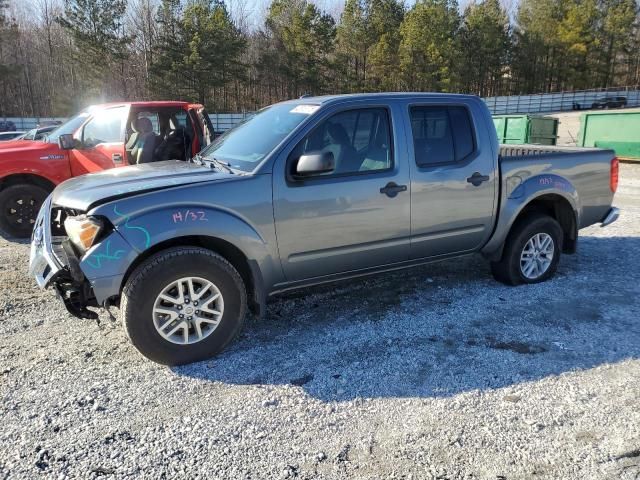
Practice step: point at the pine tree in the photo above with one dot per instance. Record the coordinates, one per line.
(429, 47)
(577, 33)
(298, 40)
(619, 19)
(198, 52)
(214, 44)
(385, 18)
(368, 38)
(164, 71)
(97, 28)
(485, 41)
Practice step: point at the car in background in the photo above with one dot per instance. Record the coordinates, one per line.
(50, 123)
(610, 102)
(38, 133)
(98, 138)
(7, 126)
(6, 136)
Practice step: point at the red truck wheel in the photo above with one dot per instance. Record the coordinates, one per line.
(20, 205)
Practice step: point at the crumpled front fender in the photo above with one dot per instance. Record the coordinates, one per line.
(136, 232)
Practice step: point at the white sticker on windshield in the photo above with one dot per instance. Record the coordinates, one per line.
(305, 109)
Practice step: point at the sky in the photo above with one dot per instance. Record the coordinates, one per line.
(252, 12)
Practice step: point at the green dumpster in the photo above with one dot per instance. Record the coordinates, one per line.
(521, 129)
(619, 131)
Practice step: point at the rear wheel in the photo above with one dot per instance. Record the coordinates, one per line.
(183, 305)
(531, 253)
(20, 205)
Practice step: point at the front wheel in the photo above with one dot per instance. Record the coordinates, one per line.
(183, 305)
(531, 253)
(19, 206)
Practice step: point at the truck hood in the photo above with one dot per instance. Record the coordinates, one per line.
(82, 193)
(23, 146)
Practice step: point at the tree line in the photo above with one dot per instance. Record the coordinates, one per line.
(56, 56)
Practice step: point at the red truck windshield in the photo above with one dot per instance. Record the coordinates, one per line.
(70, 126)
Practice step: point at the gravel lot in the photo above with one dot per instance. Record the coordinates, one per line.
(436, 372)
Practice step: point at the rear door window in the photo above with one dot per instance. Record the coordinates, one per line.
(441, 134)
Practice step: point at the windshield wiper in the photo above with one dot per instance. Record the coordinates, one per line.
(197, 159)
(218, 163)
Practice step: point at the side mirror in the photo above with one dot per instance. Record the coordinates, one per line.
(66, 141)
(315, 164)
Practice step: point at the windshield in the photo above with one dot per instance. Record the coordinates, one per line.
(248, 143)
(30, 135)
(70, 126)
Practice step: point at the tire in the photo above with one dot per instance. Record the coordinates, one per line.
(509, 270)
(19, 206)
(140, 297)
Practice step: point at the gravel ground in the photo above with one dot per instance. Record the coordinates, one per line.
(436, 372)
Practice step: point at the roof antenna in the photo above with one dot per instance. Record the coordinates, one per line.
(306, 95)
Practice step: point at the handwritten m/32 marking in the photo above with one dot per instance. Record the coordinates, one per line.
(189, 216)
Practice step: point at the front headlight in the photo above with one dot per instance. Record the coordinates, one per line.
(82, 231)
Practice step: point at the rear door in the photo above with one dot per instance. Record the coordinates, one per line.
(453, 184)
(354, 218)
(100, 142)
(204, 129)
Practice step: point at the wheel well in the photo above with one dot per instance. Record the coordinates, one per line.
(561, 210)
(22, 178)
(230, 252)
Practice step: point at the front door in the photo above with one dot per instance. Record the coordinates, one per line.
(354, 218)
(453, 180)
(100, 142)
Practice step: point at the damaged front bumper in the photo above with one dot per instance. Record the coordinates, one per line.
(53, 263)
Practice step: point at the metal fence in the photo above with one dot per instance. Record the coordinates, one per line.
(221, 121)
(27, 123)
(559, 102)
(539, 103)
(224, 121)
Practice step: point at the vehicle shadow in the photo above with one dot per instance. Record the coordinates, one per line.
(442, 329)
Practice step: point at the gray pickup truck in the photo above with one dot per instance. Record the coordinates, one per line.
(310, 191)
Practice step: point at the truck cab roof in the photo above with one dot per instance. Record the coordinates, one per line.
(385, 96)
(153, 103)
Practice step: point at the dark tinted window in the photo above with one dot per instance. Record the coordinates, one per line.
(441, 134)
(432, 138)
(462, 132)
(358, 139)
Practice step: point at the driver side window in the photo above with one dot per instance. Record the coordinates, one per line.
(360, 141)
(106, 127)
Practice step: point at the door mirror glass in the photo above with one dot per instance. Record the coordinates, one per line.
(66, 141)
(316, 163)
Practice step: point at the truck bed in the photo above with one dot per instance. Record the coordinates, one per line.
(587, 171)
(528, 150)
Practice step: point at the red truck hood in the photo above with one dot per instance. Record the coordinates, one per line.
(23, 147)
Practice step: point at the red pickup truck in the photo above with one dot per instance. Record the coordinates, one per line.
(99, 137)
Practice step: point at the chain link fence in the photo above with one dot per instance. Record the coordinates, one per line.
(516, 104)
(562, 101)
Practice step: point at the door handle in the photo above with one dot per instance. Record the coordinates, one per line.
(477, 178)
(116, 158)
(392, 189)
